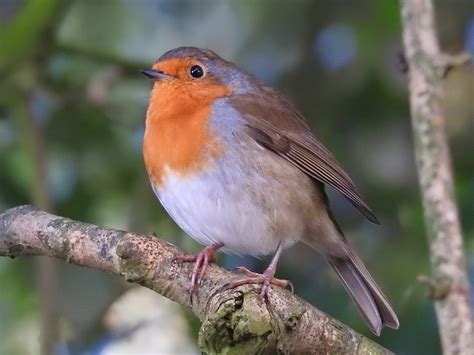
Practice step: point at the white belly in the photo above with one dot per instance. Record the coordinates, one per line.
(214, 207)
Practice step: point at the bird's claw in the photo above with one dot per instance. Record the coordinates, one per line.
(266, 279)
(201, 262)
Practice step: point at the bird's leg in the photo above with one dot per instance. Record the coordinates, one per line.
(201, 261)
(266, 279)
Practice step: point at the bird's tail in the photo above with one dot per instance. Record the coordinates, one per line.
(369, 298)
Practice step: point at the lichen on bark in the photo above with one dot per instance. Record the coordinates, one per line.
(234, 321)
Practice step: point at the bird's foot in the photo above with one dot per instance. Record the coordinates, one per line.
(201, 262)
(266, 279)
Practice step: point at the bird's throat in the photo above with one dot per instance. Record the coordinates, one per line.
(177, 137)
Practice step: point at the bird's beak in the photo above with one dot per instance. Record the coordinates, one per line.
(156, 74)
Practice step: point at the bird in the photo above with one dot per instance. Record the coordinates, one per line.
(237, 167)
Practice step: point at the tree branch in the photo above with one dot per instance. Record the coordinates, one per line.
(232, 320)
(427, 67)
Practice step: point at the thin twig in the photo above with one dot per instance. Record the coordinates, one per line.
(46, 269)
(427, 67)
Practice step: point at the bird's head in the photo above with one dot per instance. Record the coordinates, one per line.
(193, 73)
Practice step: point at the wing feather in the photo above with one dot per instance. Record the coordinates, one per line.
(283, 130)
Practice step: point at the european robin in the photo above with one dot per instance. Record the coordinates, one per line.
(238, 169)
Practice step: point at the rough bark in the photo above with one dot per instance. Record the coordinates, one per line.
(234, 321)
(427, 67)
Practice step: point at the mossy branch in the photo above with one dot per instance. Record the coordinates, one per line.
(234, 321)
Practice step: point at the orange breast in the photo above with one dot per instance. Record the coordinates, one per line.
(177, 135)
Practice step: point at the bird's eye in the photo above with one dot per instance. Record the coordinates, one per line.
(196, 71)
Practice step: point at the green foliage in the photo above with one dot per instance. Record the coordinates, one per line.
(22, 34)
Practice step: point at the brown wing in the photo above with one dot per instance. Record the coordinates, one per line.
(283, 130)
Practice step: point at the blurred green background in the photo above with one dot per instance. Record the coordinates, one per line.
(72, 108)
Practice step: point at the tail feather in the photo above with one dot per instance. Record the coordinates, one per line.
(369, 298)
